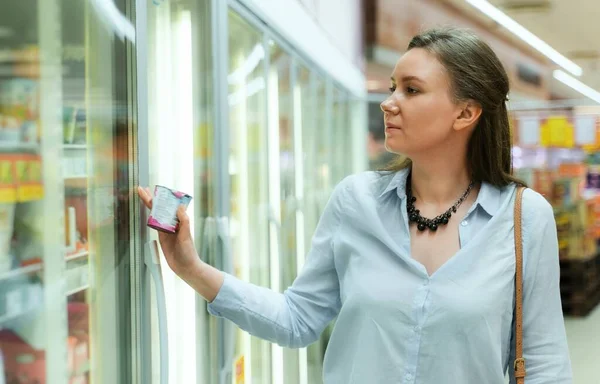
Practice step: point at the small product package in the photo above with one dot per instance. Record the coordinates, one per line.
(163, 216)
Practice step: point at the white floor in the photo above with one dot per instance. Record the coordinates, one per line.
(584, 345)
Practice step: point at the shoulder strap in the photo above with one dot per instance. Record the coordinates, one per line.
(519, 364)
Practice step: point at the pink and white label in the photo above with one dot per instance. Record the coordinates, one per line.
(163, 216)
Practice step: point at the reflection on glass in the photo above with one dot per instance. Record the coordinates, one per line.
(249, 170)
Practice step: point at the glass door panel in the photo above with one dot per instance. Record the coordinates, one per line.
(205, 179)
(32, 309)
(282, 184)
(312, 96)
(64, 151)
(98, 172)
(249, 179)
(181, 146)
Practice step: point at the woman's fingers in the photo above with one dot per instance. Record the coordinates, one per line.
(184, 220)
(146, 196)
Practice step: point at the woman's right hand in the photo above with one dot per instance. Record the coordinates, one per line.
(178, 248)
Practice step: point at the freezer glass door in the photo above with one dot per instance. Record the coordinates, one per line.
(180, 154)
(284, 148)
(66, 173)
(251, 214)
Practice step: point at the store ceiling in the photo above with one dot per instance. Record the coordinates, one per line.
(571, 27)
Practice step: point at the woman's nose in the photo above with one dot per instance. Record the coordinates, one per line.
(389, 106)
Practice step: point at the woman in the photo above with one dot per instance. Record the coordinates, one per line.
(417, 262)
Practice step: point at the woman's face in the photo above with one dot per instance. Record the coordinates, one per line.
(419, 114)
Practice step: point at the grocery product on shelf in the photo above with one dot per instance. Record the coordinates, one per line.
(564, 166)
(22, 362)
(78, 315)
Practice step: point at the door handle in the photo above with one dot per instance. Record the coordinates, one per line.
(208, 235)
(152, 261)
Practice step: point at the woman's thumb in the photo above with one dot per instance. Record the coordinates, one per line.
(182, 216)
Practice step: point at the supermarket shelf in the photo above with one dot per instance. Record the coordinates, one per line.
(76, 182)
(75, 147)
(77, 274)
(21, 271)
(15, 56)
(77, 256)
(19, 147)
(20, 300)
(77, 289)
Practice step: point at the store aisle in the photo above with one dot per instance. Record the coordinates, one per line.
(584, 345)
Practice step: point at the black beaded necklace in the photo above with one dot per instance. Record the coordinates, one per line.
(431, 224)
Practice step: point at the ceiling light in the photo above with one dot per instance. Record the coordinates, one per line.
(523, 33)
(577, 85)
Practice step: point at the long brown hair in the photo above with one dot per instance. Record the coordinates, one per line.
(476, 74)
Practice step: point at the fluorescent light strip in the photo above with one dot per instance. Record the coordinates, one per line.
(525, 35)
(184, 129)
(577, 85)
(248, 66)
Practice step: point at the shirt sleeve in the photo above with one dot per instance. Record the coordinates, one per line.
(545, 346)
(297, 317)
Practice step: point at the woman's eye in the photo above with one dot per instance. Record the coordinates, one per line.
(411, 90)
(392, 89)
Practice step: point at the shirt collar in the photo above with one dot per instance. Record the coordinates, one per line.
(488, 198)
(398, 183)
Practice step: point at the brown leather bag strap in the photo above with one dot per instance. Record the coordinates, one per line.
(519, 364)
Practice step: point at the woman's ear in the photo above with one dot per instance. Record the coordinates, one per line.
(468, 115)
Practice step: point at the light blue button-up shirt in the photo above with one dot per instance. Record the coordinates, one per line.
(397, 324)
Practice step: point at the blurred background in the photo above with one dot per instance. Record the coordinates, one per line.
(257, 108)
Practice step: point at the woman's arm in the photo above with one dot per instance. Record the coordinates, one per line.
(544, 337)
(297, 317)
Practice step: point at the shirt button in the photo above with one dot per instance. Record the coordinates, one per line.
(417, 329)
(408, 376)
(464, 223)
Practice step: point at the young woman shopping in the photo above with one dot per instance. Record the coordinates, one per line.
(417, 262)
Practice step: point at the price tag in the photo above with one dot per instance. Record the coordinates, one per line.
(29, 178)
(8, 188)
(239, 371)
